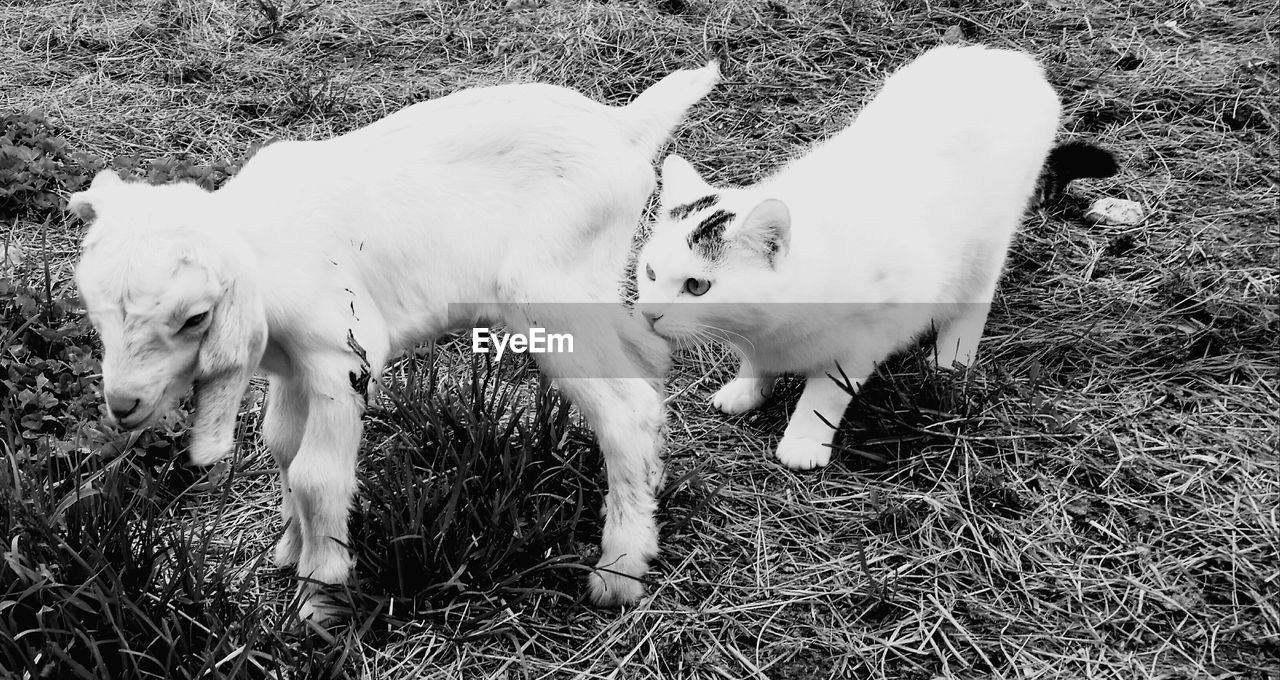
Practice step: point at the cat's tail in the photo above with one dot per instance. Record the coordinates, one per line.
(1070, 161)
(658, 110)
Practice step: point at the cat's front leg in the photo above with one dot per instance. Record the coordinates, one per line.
(746, 392)
(806, 444)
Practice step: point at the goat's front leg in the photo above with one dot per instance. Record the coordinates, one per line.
(283, 425)
(322, 477)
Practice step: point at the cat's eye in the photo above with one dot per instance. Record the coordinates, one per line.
(648, 271)
(194, 321)
(696, 286)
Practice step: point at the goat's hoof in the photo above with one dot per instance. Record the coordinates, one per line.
(288, 548)
(316, 604)
(318, 608)
(801, 453)
(607, 589)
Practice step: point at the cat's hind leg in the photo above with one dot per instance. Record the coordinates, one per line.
(746, 392)
(806, 443)
(959, 335)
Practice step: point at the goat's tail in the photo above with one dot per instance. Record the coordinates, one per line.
(658, 110)
(1071, 161)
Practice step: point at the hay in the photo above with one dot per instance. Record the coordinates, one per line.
(1095, 499)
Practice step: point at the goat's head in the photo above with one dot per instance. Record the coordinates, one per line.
(175, 303)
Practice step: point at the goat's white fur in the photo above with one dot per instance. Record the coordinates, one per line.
(498, 197)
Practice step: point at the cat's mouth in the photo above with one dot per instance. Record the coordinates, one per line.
(686, 337)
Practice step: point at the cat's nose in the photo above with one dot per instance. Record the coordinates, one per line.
(652, 317)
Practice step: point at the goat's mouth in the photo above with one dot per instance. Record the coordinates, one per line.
(136, 420)
(148, 415)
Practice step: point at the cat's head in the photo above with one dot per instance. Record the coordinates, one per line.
(711, 263)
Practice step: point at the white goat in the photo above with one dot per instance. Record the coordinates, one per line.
(321, 260)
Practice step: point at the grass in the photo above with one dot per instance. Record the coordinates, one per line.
(1095, 499)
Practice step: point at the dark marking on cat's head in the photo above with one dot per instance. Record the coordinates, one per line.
(772, 253)
(682, 211)
(707, 239)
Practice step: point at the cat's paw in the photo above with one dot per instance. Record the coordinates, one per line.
(801, 453)
(739, 396)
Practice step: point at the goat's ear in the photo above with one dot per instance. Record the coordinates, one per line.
(766, 230)
(81, 203)
(681, 183)
(230, 352)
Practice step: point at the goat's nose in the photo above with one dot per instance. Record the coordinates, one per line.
(122, 406)
(652, 317)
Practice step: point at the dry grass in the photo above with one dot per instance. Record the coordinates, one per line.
(1097, 499)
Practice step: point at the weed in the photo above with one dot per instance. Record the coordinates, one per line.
(37, 169)
(478, 497)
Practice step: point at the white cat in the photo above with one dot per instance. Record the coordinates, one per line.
(898, 224)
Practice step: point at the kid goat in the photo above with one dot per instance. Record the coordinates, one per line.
(321, 260)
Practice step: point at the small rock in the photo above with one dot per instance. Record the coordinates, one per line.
(1115, 211)
(144, 30)
(523, 4)
(953, 36)
(12, 256)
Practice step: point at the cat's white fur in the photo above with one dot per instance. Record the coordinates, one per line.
(898, 223)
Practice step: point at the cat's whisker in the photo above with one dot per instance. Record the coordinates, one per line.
(728, 337)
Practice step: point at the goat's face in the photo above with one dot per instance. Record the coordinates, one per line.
(153, 309)
(173, 304)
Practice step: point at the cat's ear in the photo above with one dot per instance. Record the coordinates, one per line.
(766, 230)
(681, 183)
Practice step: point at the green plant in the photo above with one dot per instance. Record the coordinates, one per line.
(104, 573)
(477, 504)
(174, 169)
(37, 169)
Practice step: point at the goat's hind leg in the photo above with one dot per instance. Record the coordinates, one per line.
(283, 423)
(614, 376)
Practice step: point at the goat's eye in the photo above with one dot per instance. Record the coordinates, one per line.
(194, 320)
(696, 286)
(648, 271)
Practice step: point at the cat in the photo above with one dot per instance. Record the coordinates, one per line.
(898, 224)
